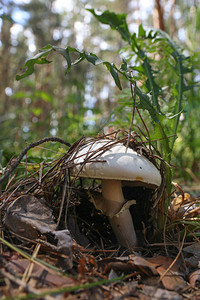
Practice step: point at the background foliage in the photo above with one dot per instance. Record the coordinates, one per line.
(86, 100)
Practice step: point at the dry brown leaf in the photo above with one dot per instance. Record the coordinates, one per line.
(144, 265)
(127, 264)
(172, 280)
(164, 262)
(30, 217)
(40, 277)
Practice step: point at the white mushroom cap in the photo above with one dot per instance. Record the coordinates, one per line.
(116, 163)
(111, 162)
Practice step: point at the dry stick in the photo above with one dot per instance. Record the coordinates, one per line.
(29, 269)
(26, 286)
(194, 236)
(4, 202)
(32, 145)
(18, 282)
(40, 172)
(10, 181)
(44, 176)
(55, 165)
(63, 196)
(133, 112)
(72, 149)
(176, 258)
(160, 139)
(151, 145)
(192, 211)
(10, 196)
(149, 140)
(164, 236)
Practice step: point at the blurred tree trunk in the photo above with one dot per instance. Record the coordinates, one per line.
(172, 21)
(138, 9)
(5, 63)
(158, 19)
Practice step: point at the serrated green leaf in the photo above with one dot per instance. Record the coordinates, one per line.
(141, 31)
(123, 66)
(113, 72)
(92, 58)
(145, 103)
(187, 70)
(80, 58)
(40, 58)
(152, 34)
(62, 51)
(139, 68)
(29, 66)
(115, 21)
(134, 42)
(68, 59)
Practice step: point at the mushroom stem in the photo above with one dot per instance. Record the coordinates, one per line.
(122, 224)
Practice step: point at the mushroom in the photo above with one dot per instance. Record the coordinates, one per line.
(113, 163)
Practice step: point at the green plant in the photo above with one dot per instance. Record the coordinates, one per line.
(151, 60)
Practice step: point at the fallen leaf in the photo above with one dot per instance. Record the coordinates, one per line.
(127, 264)
(163, 261)
(29, 217)
(147, 267)
(173, 279)
(40, 277)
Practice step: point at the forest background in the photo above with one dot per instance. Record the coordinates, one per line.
(86, 101)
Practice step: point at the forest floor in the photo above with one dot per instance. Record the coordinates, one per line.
(41, 259)
(39, 262)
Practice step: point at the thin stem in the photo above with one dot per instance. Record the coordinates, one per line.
(180, 96)
(121, 223)
(133, 112)
(123, 228)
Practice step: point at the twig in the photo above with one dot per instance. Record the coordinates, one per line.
(29, 269)
(176, 258)
(63, 196)
(23, 285)
(149, 139)
(164, 235)
(133, 112)
(160, 139)
(10, 196)
(18, 282)
(32, 145)
(40, 172)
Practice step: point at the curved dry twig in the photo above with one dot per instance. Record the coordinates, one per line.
(16, 162)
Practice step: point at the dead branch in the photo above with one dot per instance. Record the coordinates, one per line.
(16, 162)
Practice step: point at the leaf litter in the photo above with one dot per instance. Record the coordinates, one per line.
(55, 244)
